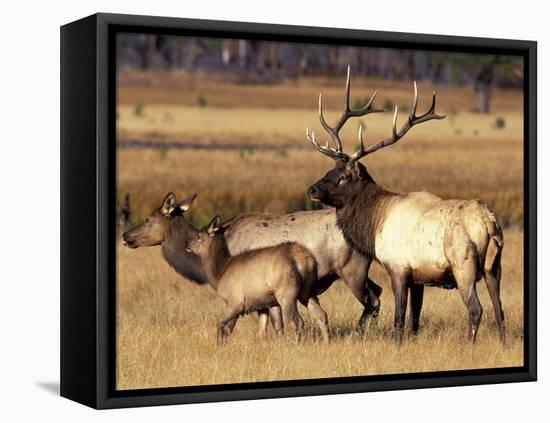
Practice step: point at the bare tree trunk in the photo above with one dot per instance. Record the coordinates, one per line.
(149, 51)
(484, 81)
(226, 52)
(484, 97)
(243, 54)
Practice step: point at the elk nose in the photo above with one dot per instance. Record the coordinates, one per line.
(125, 240)
(312, 191)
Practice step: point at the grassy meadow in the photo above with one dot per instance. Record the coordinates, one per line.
(166, 325)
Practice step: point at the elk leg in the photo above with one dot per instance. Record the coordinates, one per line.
(227, 320)
(359, 291)
(228, 328)
(471, 300)
(291, 315)
(417, 297)
(263, 318)
(492, 280)
(465, 277)
(276, 318)
(464, 260)
(400, 293)
(373, 304)
(320, 316)
(364, 289)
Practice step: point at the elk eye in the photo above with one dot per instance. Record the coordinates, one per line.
(147, 220)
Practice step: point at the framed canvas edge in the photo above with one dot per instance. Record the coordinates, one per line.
(221, 395)
(530, 187)
(106, 398)
(79, 283)
(270, 29)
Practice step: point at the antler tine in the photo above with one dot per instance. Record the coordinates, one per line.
(359, 153)
(326, 127)
(346, 94)
(412, 113)
(430, 114)
(325, 149)
(360, 134)
(394, 124)
(411, 121)
(369, 105)
(348, 113)
(334, 132)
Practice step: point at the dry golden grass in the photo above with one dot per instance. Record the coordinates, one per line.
(180, 88)
(279, 114)
(462, 156)
(287, 126)
(166, 331)
(274, 182)
(166, 326)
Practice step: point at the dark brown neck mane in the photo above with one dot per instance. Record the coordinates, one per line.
(179, 233)
(360, 218)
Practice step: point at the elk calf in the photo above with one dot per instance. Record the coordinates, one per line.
(258, 279)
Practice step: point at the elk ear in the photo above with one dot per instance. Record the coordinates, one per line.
(214, 226)
(184, 205)
(169, 204)
(359, 170)
(363, 172)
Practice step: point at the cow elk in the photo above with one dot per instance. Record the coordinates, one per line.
(258, 279)
(168, 227)
(418, 238)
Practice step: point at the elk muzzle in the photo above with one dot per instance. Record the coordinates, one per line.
(314, 193)
(128, 241)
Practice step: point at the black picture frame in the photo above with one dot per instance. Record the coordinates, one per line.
(88, 211)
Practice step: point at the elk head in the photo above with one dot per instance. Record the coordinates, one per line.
(345, 181)
(201, 244)
(152, 231)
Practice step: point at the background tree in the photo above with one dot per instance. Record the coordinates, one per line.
(266, 61)
(484, 71)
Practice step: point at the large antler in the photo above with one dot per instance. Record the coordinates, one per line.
(334, 132)
(396, 136)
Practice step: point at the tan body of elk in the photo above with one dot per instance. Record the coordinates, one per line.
(258, 279)
(418, 238)
(167, 226)
(318, 232)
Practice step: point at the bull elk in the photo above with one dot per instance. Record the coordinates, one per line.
(418, 238)
(258, 279)
(168, 227)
